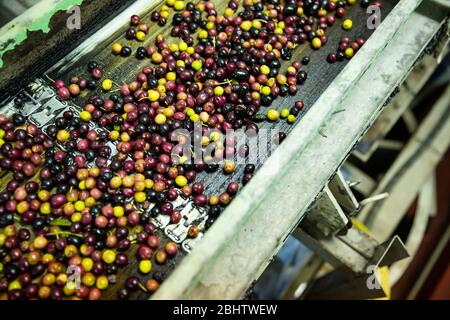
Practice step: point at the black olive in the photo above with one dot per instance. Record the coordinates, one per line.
(310, 8)
(249, 168)
(151, 195)
(60, 122)
(51, 130)
(311, 35)
(115, 97)
(211, 167)
(76, 241)
(46, 184)
(341, 4)
(254, 32)
(116, 165)
(177, 19)
(284, 90)
(111, 269)
(98, 102)
(4, 197)
(141, 53)
(60, 257)
(55, 168)
(63, 188)
(6, 219)
(92, 65)
(75, 122)
(241, 75)
(3, 253)
(301, 77)
(18, 101)
(161, 197)
(164, 128)
(294, 111)
(155, 211)
(18, 119)
(126, 51)
(73, 182)
(290, 8)
(214, 211)
(100, 234)
(140, 128)
(274, 72)
(161, 21)
(91, 84)
(209, 222)
(38, 224)
(247, 178)
(149, 173)
(11, 271)
(99, 245)
(90, 155)
(119, 199)
(152, 83)
(266, 100)
(145, 217)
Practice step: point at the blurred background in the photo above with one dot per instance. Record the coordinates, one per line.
(386, 164)
(9, 9)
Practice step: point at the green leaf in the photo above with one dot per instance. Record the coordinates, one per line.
(61, 222)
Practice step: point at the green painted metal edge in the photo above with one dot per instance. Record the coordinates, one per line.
(34, 19)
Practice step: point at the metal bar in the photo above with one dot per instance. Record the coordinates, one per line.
(337, 252)
(355, 257)
(325, 217)
(140, 7)
(390, 115)
(334, 286)
(408, 174)
(219, 267)
(362, 182)
(343, 194)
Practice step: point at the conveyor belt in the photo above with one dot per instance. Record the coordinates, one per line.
(320, 75)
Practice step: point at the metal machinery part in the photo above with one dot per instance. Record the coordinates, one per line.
(368, 80)
(361, 90)
(240, 244)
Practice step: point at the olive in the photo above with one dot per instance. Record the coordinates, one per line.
(18, 119)
(141, 53)
(91, 84)
(241, 75)
(305, 60)
(126, 51)
(92, 65)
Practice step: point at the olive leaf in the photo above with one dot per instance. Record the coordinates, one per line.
(61, 222)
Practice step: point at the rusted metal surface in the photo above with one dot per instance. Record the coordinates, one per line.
(47, 38)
